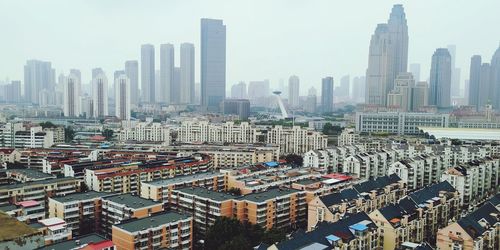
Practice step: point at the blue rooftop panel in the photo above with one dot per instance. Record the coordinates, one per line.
(271, 164)
(332, 238)
(358, 227)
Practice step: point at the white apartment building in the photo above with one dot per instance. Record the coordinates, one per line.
(419, 171)
(204, 131)
(296, 140)
(400, 123)
(330, 159)
(146, 131)
(370, 164)
(474, 180)
(15, 135)
(348, 137)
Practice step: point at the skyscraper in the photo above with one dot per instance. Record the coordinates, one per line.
(327, 94)
(239, 91)
(440, 78)
(388, 56)
(415, 71)
(96, 72)
(100, 95)
(175, 87)
(72, 96)
(455, 72)
(420, 96)
(311, 100)
(38, 76)
(187, 73)
(148, 73)
(358, 88)
(495, 78)
(474, 78)
(122, 97)
(345, 87)
(167, 64)
(402, 94)
(485, 90)
(213, 63)
(132, 72)
(293, 91)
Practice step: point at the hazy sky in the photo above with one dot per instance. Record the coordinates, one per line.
(266, 39)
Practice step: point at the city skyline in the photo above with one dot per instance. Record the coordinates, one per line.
(345, 55)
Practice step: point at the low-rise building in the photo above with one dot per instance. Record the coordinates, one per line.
(474, 180)
(9, 155)
(118, 208)
(54, 230)
(401, 123)
(27, 174)
(348, 137)
(363, 197)
(86, 242)
(163, 230)
(478, 230)
(356, 231)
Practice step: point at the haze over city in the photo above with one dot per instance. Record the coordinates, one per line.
(265, 39)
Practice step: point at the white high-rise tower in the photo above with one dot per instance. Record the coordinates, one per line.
(122, 97)
(100, 95)
(72, 96)
(148, 73)
(187, 73)
(167, 64)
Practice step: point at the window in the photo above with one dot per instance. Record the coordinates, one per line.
(320, 214)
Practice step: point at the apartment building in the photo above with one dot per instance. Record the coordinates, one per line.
(474, 180)
(160, 190)
(296, 140)
(363, 197)
(477, 230)
(86, 242)
(348, 137)
(38, 191)
(118, 208)
(330, 159)
(26, 211)
(417, 217)
(168, 230)
(204, 131)
(229, 156)
(15, 135)
(419, 171)
(81, 211)
(27, 174)
(370, 164)
(400, 123)
(9, 155)
(127, 178)
(146, 132)
(355, 231)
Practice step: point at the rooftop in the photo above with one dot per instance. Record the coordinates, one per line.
(13, 229)
(31, 173)
(206, 193)
(184, 178)
(70, 244)
(131, 201)
(268, 194)
(155, 220)
(81, 196)
(32, 183)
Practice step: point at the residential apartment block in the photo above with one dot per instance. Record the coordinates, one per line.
(204, 131)
(146, 132)
(296, 140)
(400, 123)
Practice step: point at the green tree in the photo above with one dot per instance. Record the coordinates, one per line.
(235, 191)
(47, 125)
(69, 134)
(108, 133)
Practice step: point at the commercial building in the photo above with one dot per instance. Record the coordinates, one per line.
(167, 65)
(123, 95)
(187, 73)
(400, 123)
(132, 72)
(293, 91)
(100, 95)
(239, 107)
(164, 230)
(213, 63)
(440, 79)
(477, 230)
(147, 73)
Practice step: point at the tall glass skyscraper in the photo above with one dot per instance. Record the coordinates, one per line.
(440, 78)
(213, 63)
(327, 94)
(148, 73)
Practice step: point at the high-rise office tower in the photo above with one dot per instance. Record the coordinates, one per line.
(187, 73)
(420, 96)
(12, 92)
(175, 87)
(213, 63)
(293, 91)
(116, 74)
(72, 96)
(122, 97)
(100, 95)
(258, 89)
(96, 72)
(327, 94)
(485, 94)
(358, 88)
(388, 56)
(415, 71)
(167, 64)
(239, 91)
(455, 72)
(132, 72)
(147, 73)
(345, 86)
(495, 78)
(38, 76)
(158, 94)
(311, 100)
(474, 79)
(440, 79)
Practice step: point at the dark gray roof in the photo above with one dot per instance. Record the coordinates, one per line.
(339, 229)
(32, 183)
(131, 201)
(32, 173)
(70, 244)
(7, 208)
(184, 178)
(427, 193)
(268, 194)
(337, 198)
(206, 193)
(495, 200)
(377, 183)
(470, 223)
(81, 196)
(154, 220)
